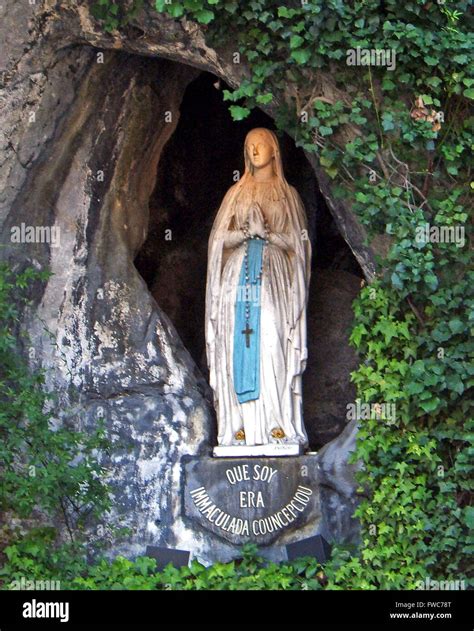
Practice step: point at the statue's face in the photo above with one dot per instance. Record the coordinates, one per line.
(259, 150)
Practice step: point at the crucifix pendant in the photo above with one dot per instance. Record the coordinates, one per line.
(247, 332)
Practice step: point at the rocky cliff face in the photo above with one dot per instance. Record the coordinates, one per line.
(85, 118)
(84, 166)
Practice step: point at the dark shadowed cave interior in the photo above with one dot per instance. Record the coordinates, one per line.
(195, 170)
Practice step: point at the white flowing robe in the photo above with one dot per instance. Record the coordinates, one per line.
(283, 295)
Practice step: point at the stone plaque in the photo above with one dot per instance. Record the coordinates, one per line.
(262, 500)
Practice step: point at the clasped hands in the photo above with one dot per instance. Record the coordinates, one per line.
(256, 221)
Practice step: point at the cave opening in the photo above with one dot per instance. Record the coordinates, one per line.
(199, 163)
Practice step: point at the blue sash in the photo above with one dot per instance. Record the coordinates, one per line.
(247, 345)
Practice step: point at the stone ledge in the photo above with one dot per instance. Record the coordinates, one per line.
(242, 451)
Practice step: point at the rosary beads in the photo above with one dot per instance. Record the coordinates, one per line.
(248, 284)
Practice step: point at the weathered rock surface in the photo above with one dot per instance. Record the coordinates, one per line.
(108, 349)
(338, 486)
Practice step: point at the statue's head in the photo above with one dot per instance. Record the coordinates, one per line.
(261, 149)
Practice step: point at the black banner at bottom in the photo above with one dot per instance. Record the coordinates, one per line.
(149, 609)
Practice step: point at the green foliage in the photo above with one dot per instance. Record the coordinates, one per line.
(49, 472)
(396, 144)
(37, 555)
(115, 14)
(250, 572)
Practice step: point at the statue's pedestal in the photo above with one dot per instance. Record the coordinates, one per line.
(242, 451)
(273, 502)
(264, 500)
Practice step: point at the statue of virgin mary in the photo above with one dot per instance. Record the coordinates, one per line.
(257, 285)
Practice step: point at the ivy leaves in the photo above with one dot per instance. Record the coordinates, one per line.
(29, 557)
(115, 14)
